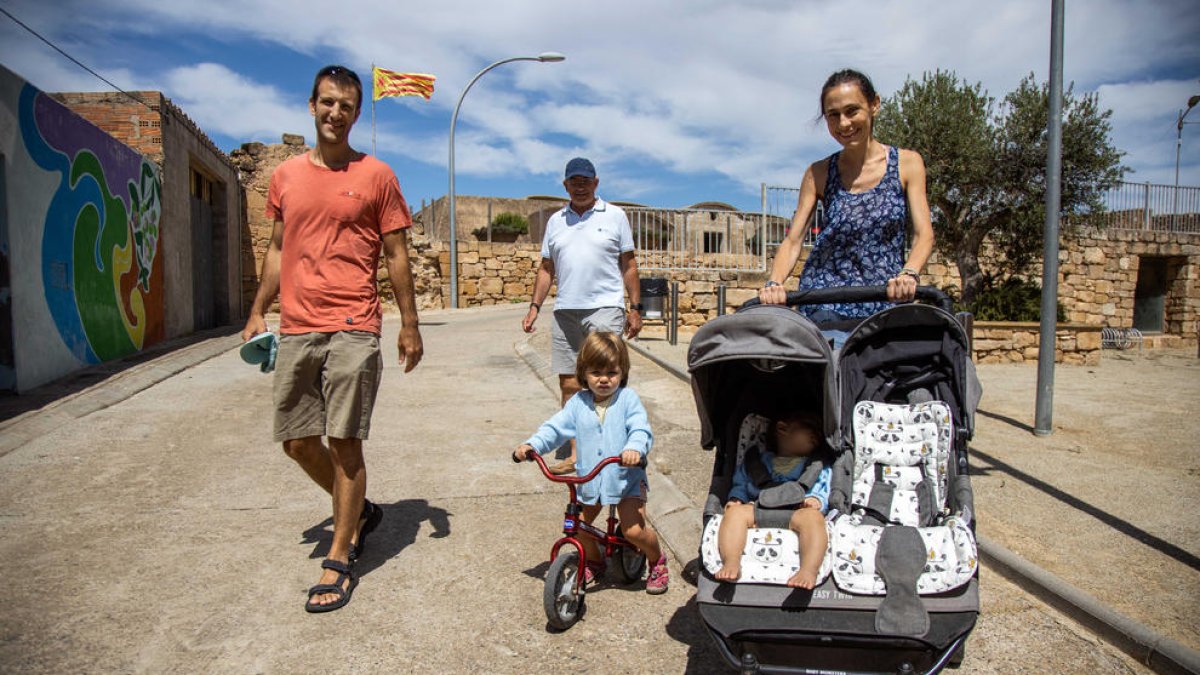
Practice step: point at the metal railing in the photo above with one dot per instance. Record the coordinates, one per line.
(1145, 206)
(779, 205)
(697, 239)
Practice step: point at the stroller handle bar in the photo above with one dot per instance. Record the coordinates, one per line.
(574, 480)
(845, 294)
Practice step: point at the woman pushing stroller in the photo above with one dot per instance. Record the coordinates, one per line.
(872, 193)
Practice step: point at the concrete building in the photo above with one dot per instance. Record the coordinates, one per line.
(120, 225)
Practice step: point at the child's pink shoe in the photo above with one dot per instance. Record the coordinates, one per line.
(593, 571)
(656, 583)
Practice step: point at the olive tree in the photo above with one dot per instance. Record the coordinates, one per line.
(986, 164)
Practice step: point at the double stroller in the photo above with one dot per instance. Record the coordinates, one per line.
(898, 590)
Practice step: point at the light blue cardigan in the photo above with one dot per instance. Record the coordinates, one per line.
(626, 427)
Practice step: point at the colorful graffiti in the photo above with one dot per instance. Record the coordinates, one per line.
(99, 246)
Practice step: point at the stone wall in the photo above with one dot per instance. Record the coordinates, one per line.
(256, 162)
(1017, 341)
(1097, 270)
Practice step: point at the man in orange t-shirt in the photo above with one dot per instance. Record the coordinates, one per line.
(334, 210)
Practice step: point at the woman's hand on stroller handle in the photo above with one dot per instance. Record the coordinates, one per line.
(851, 294)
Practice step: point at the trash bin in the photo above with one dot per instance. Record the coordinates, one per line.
(653, 291)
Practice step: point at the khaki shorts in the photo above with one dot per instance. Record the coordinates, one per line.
(572, 326)
(325, 384)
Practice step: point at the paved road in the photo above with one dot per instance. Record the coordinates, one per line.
(167, 533)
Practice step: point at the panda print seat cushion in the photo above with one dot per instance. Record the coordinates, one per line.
(900, 473)
(771, 556)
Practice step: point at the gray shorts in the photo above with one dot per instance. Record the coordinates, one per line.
(571, 326)
(325, 384)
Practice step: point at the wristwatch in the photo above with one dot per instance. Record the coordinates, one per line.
(636, 307)
(910, 272)
(770, 283)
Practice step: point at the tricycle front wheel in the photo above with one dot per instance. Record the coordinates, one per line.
(563, 606)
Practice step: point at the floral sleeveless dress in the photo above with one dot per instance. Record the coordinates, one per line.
(861, 242)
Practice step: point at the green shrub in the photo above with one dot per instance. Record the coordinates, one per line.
(510, 222)
(1013, 299)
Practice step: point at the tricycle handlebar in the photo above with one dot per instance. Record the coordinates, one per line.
(574, 480)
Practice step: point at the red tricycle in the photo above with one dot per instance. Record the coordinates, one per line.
(563, 595)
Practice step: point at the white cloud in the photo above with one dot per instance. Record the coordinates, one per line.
(222, 101)
(688, 87)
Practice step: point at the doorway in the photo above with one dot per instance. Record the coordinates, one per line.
(1149, 298)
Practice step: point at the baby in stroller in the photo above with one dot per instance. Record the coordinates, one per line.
(791, 463)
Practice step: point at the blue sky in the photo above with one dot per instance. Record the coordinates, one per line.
(677, 101)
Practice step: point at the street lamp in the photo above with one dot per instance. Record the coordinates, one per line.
(544, 57)
(1179, 148)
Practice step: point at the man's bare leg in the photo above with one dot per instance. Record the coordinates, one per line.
(809, 526)
(731, 539)
(312, 456)
(341, 471)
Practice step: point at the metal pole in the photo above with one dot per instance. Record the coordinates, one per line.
(374, 151)
(1044, 415)
(546, 57)
(489, 223)
(762, 228)
(721, 300)
(1146, 207)
(1178, 149)
(673, 329)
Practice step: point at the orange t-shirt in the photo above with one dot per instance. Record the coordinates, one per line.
(333, 222)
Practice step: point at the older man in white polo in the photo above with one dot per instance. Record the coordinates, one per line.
(588, 246)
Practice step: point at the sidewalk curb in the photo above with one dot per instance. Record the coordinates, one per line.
(21, 429)
(1151, 648)
(1158, 652)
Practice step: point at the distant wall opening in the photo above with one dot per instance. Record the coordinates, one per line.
(209, 222)
(1150, 295)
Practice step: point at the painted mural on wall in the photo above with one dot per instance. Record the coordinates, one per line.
(101, 273)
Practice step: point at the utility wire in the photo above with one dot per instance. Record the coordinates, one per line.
(72, 58)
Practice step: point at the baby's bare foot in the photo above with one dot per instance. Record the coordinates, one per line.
(803, 579)
(729, 572)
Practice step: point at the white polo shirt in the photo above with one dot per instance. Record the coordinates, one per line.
(585, 251)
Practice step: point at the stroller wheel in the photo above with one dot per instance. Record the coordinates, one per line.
(630, 564)
(563, 607)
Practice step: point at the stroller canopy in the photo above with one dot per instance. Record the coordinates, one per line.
(768, 358)
(904, 348)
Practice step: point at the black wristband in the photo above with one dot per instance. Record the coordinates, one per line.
(636, 307)
(537, 306)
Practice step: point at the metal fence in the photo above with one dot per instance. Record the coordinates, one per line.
(1130, 206)
(1145, 206)
(779, 205)
(715, 240)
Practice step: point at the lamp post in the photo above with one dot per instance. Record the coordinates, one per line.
(1179, 148)
(544, 57)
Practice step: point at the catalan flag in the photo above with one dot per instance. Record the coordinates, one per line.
(391, 83)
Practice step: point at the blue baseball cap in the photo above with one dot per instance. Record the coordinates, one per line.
(580, 167)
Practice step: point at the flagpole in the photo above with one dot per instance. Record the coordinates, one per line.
(374, 152)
